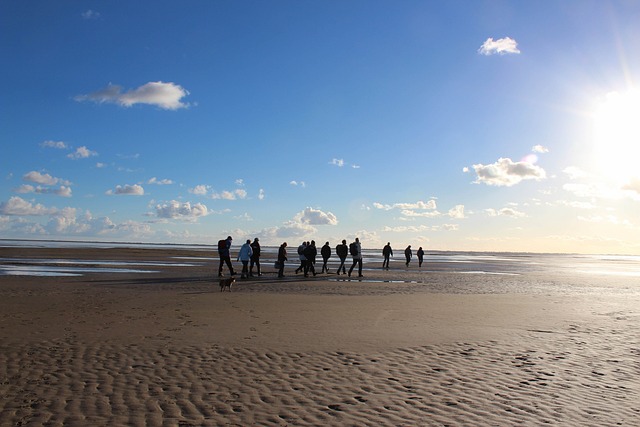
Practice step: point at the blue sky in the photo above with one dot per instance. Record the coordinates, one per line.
(452, 125)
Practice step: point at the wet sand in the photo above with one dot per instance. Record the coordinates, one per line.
(396, 348)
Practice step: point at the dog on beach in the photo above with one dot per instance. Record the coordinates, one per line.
(226, 283)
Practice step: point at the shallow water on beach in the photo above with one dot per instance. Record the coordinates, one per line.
(472, 263)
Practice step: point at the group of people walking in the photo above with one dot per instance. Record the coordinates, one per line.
(307, 252)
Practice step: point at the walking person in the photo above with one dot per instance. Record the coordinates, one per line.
(326, 254)
(356, 252)
(342, 250)
(387, 252)
(303, 259)
(255, 257)
(310, 253)
(282, 257)
(420, 255)
(245, 256)
(408, 253)
(224, 252)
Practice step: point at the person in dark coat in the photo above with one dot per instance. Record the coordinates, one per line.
(282, 257)
(342, 250)
(387, 252)
(408, 253)
(255, 257)
(310, 253)
(420, 255)
(224, 252)
(326, 254)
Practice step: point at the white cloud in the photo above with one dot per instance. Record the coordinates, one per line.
(60, 145)
(164, 95)
(157, 181)
(182, 211)
(431, 204)
(539, 149)
(62, 191)
(316, 217)
(415, 214)
(82, 153)
(90, 14)
(575, 173)
(506, 172)
(240, 182)
(505, 212)
(200, 190)
(44, 179)
(337, 162)
(261, 194)
(230, 195)
(127, 190)
(457, 212)
(632, 185)
(298, 183)
(18, 206)
(502, 46)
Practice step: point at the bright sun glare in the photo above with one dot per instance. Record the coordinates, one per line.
(617, 135)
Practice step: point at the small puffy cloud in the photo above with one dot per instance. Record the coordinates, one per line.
(182, 211)
(240, 182)
(127, 190)
(539, 149)
(167, 96)
(82, 153)
(230, 195)
(431, 204)
(90, 14)
(62, 191)
(505, 212)
(337, 162)
(575, 173)
(297, 184)
(503, 46)
(157, 181)
(316, 217)
(200, 190)
(457, 212)
(18, 206)
(506, 172)
(632, 185)
(43, 178)
(60, 145)
(261, 195)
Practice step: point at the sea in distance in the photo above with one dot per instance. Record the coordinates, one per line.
(624, 267)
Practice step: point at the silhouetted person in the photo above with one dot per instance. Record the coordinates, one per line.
(420, 255)
(255, 257)
(310, 253)
(282, 257)
(303, 259)
(356, 252)
(386, 253)
(326, 254)
(342, 250)
(224, 251)
(408, 254)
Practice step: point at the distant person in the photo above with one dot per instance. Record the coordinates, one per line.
(356, 252)
(255, 257)
(282, 257)
(326, 254)
(387, 252)
(342, 251)
(303, 259)
(310, 253)
(420, 255)
(408, 253)
(244, 256)
(224, 251)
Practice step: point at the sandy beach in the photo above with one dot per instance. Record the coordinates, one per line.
(398, 348)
